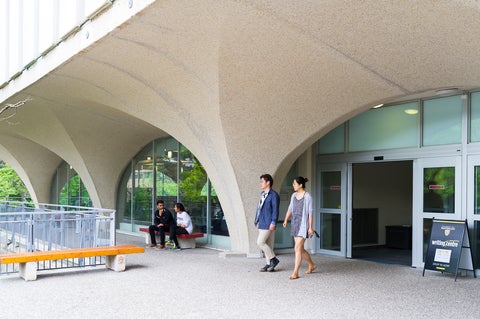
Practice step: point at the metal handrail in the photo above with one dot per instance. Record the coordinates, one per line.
(26, 226)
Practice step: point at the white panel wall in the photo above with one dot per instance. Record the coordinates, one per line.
(29, 27)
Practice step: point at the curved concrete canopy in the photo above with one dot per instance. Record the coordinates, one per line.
(247, 86)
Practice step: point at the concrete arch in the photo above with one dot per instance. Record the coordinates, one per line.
(247, 86)
(18, 152)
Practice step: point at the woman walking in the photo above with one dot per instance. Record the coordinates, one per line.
(301, 211)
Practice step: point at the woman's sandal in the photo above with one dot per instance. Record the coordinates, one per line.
(311, 269)
(293, 277)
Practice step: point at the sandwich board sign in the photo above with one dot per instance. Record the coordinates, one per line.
(449, 247)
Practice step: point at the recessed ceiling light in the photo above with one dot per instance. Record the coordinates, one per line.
(446, 91)
(377, 106)
(411, 111)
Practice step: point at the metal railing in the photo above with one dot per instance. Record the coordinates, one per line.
(26, 227)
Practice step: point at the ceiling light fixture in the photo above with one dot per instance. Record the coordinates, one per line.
(377, 106)
(446, 91)
(411, 111)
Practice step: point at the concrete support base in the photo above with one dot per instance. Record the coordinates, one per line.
(255, 255)
(231, 254)
(184, 243)
(116, 263)
(147, 239)
(28, 271)
(187, 243)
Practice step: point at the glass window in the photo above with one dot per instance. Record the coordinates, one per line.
(442, 121)
(123, 218)
(476, 243)
(142, 186)
(476, 209)
(218, 224)
(283, 239)
(166, 160)
(427, 227)
(333, 142)
(167, 170)
(475, 117)
(439, 190)
(384, 128)
(330, 232)
(67, 187)
(193, 179)
(331, 190)
(74, 193)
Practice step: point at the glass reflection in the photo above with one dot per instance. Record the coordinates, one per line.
(330, 233)
(331, 190)
(439, 190)
(167, 170)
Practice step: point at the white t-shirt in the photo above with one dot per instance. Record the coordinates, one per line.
(184, 219)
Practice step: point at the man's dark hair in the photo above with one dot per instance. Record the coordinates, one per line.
(160, 202)
(267, 178)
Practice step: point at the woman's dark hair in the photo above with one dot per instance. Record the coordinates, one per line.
(180, 206)
(301, 180)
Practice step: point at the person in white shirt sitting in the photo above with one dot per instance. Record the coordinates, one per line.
(184, 223)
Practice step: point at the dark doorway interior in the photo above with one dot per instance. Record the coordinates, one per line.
(382, 212)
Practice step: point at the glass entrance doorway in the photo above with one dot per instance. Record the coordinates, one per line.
(381, 213)
(473, 205)
(437, 194)
(332, 203)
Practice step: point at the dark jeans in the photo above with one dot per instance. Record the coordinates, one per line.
(161, 230)
(178, 230)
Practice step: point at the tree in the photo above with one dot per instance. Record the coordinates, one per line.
(11, 186)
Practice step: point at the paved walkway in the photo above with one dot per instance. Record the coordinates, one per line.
(196, 283)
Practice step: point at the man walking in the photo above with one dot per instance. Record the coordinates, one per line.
(266, 220)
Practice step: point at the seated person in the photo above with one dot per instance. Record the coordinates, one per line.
(184, 223)
(163, 222)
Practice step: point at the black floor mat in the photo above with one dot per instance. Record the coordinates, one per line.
(384, 255)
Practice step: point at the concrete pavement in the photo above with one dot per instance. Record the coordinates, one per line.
(197, 283)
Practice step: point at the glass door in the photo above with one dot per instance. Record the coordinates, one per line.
(331, 200)
(436, 194)
(473, 206)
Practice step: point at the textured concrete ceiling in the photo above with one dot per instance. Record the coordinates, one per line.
(246, 85)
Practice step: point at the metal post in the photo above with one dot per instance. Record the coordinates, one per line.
(30, 239)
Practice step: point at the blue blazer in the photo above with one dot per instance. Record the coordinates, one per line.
(269, 212)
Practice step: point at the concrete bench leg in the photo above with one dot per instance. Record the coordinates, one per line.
(28, 271)
(116, 262)
(187, 243)
(147, 239)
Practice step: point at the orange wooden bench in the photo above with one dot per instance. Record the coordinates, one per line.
(28, 261)
(184, 240)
